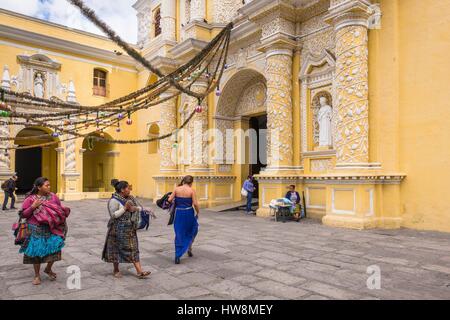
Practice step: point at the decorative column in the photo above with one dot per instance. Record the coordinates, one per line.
(351, 84)
(197, 130)
(167, 125)
(278, 28)
(198, 10)
(5, 160)
(279, 51)
(168, 17)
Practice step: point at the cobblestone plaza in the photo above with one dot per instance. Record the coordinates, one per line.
(238, 257)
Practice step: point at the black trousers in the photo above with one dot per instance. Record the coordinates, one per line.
(7, 196)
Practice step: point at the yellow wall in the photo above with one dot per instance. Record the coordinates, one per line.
(122, 79)
(409, 99)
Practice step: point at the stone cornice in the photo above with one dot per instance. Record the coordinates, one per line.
(166, 65)
(188, 48)
(278, 41)
(28, 60)
(337, 179)
(179, 177)
(41, 40)
(257, 10)
(351, 12)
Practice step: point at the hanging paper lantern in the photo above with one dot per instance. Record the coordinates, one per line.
(120, 116)
(4, 113)
(102, 114)
(175, 145)
(208, 75)
(225, 66)
(55, 134)
(118, 130)
(129, 122)
(218, 92)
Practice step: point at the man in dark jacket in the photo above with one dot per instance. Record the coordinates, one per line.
(9, 188)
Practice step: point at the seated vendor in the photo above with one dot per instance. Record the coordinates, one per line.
(294, 197)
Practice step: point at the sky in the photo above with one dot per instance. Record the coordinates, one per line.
(118, 14)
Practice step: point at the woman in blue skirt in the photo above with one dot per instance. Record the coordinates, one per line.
(185, 221)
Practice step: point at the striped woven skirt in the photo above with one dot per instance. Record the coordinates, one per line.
(41, 246)
(121, 244)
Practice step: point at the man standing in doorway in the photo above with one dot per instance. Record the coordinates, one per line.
(9, 187)
(249, 187)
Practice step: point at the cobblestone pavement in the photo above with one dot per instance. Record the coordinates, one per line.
(238, 257)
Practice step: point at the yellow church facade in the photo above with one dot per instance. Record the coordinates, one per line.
(345, 99)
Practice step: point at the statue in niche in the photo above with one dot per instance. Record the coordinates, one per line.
(324, 117)
(38, 86)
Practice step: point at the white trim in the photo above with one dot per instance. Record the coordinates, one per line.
(205, 195)
(61, 55)
(333, 208)
(371, 212)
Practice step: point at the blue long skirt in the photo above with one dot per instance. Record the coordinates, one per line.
(186, 229)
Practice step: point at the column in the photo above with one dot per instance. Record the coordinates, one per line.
(168, 19)
(278, 73)
(168, 124)
(197, 130)
(5, 160)
(198, 10)
(351, 84)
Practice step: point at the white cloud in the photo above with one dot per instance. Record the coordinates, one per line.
(119, 14)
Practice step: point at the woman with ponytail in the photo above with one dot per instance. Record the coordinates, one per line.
(46, 219)
(185, 221)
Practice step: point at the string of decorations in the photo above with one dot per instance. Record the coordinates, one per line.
(111, 113)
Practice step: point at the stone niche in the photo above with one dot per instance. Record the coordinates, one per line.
(316, 78)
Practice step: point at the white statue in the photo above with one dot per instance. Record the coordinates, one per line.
(39, 86)
(324, 118)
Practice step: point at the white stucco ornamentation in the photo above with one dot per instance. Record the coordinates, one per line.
(279, 109)
(225, 10)
(70, 156)
(352, 101)
(168, 124)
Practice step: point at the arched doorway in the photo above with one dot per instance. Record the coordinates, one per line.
(98, 165)
(242, 104)
(35, 162)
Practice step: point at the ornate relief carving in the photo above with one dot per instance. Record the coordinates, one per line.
(317, 76)
(352, 105)
(70, 161)
(321, 165)
(274, 23)
(168, 123)
(279, 109)
(253, 99)
(225, 10)
(144, 25)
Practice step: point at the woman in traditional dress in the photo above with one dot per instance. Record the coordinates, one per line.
(185, 221)
(121, 245)
(46, 218)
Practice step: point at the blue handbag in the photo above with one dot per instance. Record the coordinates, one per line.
(143, 220)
